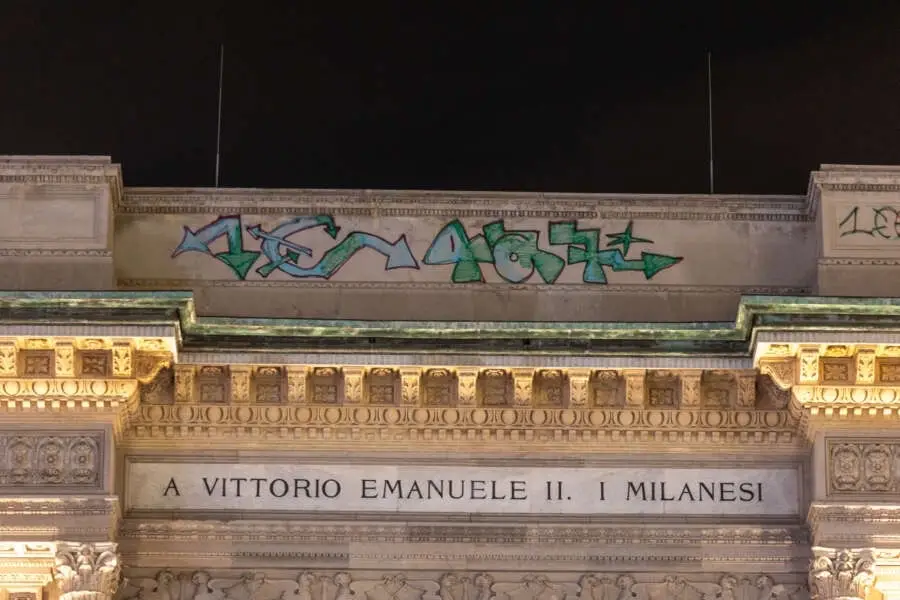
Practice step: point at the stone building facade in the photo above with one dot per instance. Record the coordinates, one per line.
(211, 394)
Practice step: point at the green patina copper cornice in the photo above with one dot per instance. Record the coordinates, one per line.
(755, 314)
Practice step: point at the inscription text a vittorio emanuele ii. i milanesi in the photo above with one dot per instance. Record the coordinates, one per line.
(464, 489)
(472, 489)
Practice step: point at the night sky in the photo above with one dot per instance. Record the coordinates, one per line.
(500, 96)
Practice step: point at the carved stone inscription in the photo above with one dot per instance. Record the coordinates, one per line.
(455, 489)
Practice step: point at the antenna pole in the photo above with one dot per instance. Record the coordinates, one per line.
(712, 186)
(219, 119)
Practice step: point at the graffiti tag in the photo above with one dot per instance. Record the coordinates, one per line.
(881, 222)
(514, 254)
(284, 255)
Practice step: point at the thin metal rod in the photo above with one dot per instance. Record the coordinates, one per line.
(712, 186)
(219, 120)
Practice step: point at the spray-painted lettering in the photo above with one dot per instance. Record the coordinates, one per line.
(880, 222)
(283, 254)
(515, 254)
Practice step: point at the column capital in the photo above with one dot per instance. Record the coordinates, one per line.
(87, 571)
(841, 574)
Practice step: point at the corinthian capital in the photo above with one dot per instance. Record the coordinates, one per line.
(87, 571)
(841, 574)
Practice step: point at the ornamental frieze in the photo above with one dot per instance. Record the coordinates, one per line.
(474, 585)
(445, 387)
(382, 426)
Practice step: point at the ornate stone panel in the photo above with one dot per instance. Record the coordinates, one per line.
(40, 460)
(869, 466)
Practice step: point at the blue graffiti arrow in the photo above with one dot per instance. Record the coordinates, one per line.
(649, 263)
(238, 260)
(398, 254)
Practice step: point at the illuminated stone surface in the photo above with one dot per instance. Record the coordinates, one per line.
(504, 340)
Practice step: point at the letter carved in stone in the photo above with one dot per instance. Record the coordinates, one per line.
(841, 574)
(87, 571)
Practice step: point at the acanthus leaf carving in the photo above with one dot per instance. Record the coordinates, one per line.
(781, 371)
(87, 571)
(841, 574)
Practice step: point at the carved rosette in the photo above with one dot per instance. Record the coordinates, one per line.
(841, 574)
(87, 571)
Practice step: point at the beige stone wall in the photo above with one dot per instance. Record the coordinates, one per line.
(68, 225)
(860, 231)
(56, 222)
(648, 258)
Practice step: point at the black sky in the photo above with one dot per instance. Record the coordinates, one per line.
(487, 95)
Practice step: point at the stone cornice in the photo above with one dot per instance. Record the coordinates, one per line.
(64, 170)
(81, 379)
(790, 316)
(555, 431)
(466, 203)
(91, 518)
(854, 178)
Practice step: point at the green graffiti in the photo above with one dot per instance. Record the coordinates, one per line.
(240, 261)
(452, 246)
(584, 247)
(514, 254)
